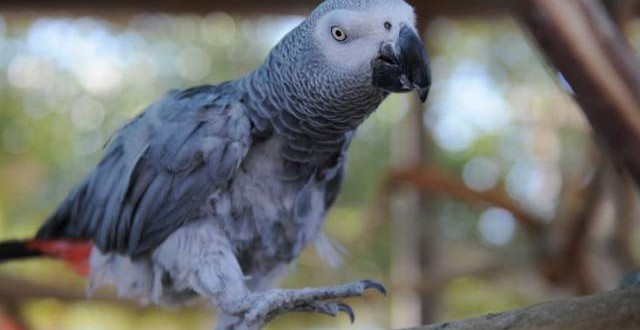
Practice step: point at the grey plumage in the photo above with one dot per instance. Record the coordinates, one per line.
(213, 190)
(158, 172)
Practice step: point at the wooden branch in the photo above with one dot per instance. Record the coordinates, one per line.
(487, 271)
(424, 9)
(623, 12)
(626, 213)
(575, 252)
(567, 264)
(433, 180)
(619, 310)
(583, 43)
(16, 290)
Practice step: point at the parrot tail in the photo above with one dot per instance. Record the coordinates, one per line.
(75, 253)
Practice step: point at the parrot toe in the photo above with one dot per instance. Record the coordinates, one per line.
(262, 307)
(328, 308)
(368, 284)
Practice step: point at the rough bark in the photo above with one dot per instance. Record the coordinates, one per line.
(619, 310)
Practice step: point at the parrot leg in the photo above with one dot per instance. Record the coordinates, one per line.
(200, 257)
(260, 308)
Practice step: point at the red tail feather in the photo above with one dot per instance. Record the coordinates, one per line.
(75, 253)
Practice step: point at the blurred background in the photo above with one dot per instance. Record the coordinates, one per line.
(494, 195)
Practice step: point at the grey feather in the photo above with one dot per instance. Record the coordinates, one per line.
(158, 172)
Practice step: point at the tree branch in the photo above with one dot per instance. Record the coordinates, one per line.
(626, 214)
(17, 290)
(435, 181)
(619, 310)
(583, 43)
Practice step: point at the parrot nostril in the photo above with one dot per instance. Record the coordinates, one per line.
(387, 55)
(387, 59)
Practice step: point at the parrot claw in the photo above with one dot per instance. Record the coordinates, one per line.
(342, 307)
(368, 284)
(329, 308)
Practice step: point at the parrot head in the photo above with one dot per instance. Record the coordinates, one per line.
(373, 39)
(334, 69)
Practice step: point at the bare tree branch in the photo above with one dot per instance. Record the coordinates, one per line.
(583, 43)
(575, 251)
(619, 310)
(435, 181)
(567, 263)
(626, 213)
(17, 290)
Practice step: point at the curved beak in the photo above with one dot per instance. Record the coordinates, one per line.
(404, 66)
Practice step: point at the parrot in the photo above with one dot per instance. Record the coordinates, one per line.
(213, 192)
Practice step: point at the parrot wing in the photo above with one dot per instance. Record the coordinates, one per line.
(158, 172)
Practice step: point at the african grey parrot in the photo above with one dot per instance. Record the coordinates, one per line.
(213, 190)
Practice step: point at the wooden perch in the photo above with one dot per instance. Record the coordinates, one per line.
(581, 40)
(618, 310)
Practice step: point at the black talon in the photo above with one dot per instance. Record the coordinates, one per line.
(347, 310)
(368, 284)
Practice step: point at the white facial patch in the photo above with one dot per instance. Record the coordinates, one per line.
(365, 31)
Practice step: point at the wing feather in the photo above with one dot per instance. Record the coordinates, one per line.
(158, 172)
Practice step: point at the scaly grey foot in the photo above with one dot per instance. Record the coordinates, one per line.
(329, 308)
(262, 307)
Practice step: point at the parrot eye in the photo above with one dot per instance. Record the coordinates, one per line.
(338, 33)
(388, 25)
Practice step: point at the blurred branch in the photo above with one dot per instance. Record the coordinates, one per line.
(15, 290)
(623, 12)
(619, 310)
(567, 263)
(432, 180)
(575, 251)
(127, 8)
(483, 271)
(626, 211)
(584, 44)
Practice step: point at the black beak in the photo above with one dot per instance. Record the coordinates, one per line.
(404, 66)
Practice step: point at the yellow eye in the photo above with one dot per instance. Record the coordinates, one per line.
(338, 33)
